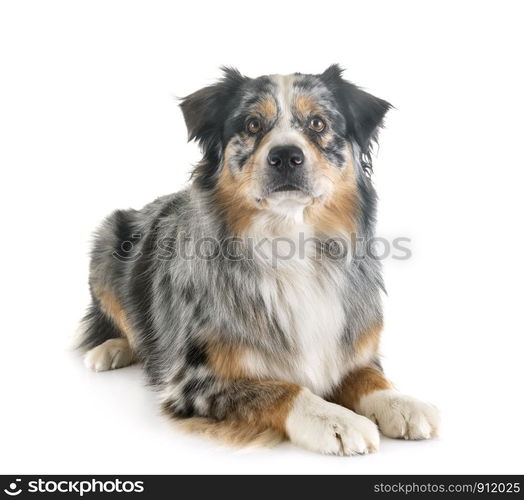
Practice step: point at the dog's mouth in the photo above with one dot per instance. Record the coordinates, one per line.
(288, 196)
(286, 187)
(287, 190)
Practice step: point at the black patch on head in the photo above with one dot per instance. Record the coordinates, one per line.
(216, 113)
(259, 88)
(364, 113)
(306, 83)
(205, 112)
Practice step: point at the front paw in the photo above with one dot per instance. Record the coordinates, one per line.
(324, 427)
(400, 416)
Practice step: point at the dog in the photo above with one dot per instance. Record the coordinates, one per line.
(242, 295)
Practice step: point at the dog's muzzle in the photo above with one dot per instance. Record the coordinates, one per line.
(286, 169)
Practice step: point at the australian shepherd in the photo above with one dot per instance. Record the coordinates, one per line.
(242, 296)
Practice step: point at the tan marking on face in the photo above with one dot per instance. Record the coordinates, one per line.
(112, 307)
(266, 108)
(357, 384)
(234, 199)
(306, 106)
(235, 191)
(226, 360)
(337, 210)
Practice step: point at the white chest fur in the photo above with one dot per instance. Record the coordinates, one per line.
(305, 295)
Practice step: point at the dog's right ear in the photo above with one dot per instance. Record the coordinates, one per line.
(206, 110)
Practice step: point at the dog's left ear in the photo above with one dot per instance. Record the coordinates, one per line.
(364, 112)
(206, 109)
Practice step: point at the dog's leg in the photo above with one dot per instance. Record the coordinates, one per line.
(105, 334)
(369, 393)
(306, 419)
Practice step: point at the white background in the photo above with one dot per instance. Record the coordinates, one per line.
(89, 123)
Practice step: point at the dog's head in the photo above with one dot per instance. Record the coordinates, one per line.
(283, 141)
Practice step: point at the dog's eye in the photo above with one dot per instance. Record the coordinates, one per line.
(317, 124)
(254, 126)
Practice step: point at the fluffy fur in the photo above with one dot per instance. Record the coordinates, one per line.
(240, 295)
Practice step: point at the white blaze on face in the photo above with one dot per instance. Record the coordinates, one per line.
(284, 95)
(283, 133)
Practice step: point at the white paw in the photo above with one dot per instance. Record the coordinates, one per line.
(113, 353)
(400, 416)
(324, 427)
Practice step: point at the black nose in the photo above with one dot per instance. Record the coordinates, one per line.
(285, 156)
